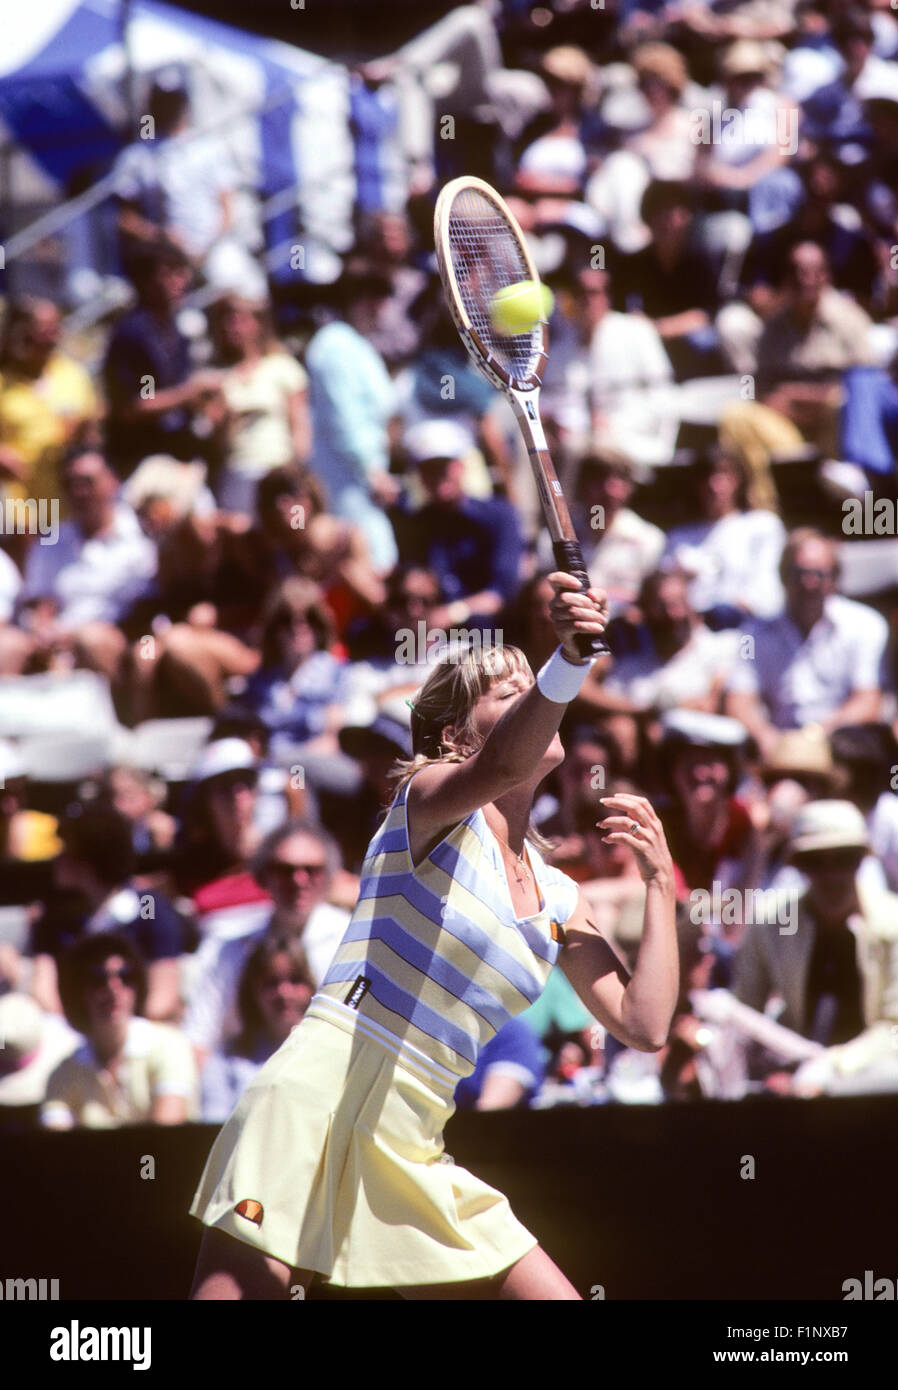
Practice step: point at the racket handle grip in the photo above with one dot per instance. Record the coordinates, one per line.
(569, 558)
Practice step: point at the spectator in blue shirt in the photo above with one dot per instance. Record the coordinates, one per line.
(472, 545)
(297, 689)
(352, 400)
(153, 393)
(275, 990)
(509, 1071)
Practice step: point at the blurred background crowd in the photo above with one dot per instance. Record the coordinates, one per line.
(249, 487)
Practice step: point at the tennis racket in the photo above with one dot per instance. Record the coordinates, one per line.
(480, 250)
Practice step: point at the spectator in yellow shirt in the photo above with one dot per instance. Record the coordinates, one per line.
(128, 1070)
(45, 399)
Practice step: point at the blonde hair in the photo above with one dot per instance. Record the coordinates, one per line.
(448, 697)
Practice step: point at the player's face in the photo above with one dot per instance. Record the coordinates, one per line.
(502, 696)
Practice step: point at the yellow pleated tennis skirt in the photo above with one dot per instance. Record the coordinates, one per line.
(334, 1161)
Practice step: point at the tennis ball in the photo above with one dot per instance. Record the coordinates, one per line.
(519, 308)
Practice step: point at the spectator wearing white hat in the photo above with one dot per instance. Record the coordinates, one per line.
(836, 968)
(473, 545)
(218, 838)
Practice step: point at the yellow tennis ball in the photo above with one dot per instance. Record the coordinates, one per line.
(519, 308)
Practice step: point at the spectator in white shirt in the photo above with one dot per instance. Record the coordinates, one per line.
(822, 661)
(296, 864)
(630, 376)
(76, 591)
(178, 185)
(733, 553)
(673, 660)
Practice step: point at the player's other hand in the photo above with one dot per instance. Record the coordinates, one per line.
(572, 611)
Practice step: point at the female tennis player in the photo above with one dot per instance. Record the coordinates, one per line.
(333, 1161)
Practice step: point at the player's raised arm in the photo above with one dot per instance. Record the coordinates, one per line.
(441, 795)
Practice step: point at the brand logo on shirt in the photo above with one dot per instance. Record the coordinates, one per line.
(250, 1210)
(557, 931)
(359, 989)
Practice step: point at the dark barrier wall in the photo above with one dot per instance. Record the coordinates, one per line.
(647, 1202)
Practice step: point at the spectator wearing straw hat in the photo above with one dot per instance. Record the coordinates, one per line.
(836, 967)
(34, 1043)
(558, 147)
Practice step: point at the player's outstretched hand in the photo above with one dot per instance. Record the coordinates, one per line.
(639, 827)
(573, 611)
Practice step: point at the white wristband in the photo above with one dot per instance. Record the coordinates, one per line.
(560, 680)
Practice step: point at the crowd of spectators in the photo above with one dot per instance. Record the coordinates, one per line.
(248, 541)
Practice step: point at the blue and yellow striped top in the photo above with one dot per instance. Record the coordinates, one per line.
(434, 961)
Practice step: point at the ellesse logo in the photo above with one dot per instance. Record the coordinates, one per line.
(557, 931)
(250, 1210)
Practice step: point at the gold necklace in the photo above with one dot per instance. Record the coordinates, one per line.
(518, 857)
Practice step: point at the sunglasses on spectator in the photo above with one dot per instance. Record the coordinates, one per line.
(101, 976)
(807, 572)
(285, 870)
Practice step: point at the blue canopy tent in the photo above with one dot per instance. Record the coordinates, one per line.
(74, 78)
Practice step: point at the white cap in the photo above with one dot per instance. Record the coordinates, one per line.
(224, 755)
(703, 730)
(821, 825)
(162, 476)
(437, 439)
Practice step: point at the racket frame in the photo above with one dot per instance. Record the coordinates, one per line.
(522, 393)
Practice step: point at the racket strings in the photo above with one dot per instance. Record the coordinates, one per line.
(486, 258)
